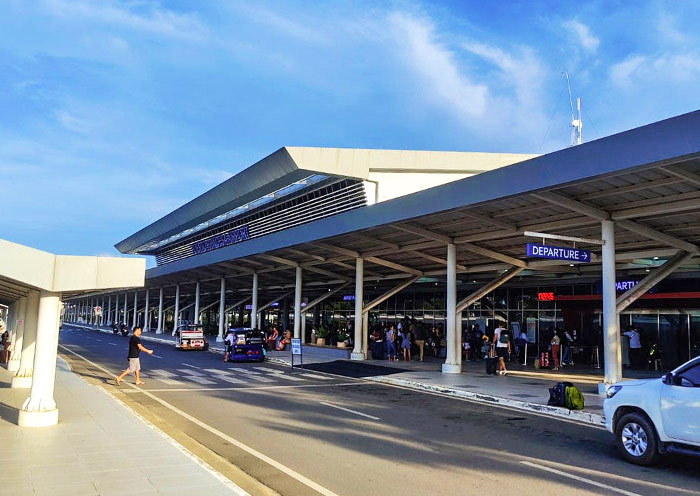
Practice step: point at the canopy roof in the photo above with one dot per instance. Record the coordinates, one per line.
(646, 179)
(23, 269)
(291, 164)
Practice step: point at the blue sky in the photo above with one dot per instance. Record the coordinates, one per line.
(113, 113)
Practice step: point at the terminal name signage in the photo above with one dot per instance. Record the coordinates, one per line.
(227, 238)
(558, 253)
(625, 285)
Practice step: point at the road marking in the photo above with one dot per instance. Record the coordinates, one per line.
(188, 365)
(349, 411)
(190, 372)
(274, 463)
(580, 479)
(200, 380)
(156, 356)
(112, 344)
(242, 389)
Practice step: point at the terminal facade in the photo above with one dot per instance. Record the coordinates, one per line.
(358, 238)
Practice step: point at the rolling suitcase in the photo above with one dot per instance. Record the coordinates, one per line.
(491, 365)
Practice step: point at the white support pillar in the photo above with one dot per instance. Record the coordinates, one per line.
(109, 310)
(254, 304)
(18, 316)
(126, 315)
(453, 359)
(135, 320)
(297, 303)
(146, 319)
(611, 320)
(196, 303)
(358, 349)
(104, 313)
(23, 377)
(40, 408)
(222, 311)
(176, 313)
(159, 329)
(116, 309)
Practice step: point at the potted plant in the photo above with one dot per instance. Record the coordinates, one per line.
(321, 336)
(343, 336)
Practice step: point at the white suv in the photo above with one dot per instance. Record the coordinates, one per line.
(656, 416)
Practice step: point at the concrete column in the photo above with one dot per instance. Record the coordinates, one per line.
(612, 352)
(176, 313)
(135, 320)
(196, 303)
(19, 310)
(23, 377)
(222, 311)
(109, 309)
(40, 408)
(297, 303)
(146, 320)
(254, 304)
(358, 349)
(159, 329)
(125, 316)
(453, 357)
(116, 309)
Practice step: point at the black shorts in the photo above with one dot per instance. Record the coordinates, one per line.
(229, 348)
(502, 352)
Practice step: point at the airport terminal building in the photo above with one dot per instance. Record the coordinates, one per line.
(592, 238)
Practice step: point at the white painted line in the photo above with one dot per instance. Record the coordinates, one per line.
(156, 356)
(193, 366)
(282, 468)
(190, 372)
(580, 479)
(241, 389)
(349, 411)
(200, 380)
(112, 344)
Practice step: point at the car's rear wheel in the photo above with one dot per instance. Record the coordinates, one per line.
(636, 439)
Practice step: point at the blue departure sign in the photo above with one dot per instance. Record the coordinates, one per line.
(226, 238)
(558, 253)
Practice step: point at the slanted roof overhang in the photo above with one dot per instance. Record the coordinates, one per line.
(291, 164)
(649, 176)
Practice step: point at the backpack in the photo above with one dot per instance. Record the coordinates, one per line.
(503, 337)
(573, 398)
(557, 394)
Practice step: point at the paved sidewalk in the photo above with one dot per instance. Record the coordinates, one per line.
(99, 447)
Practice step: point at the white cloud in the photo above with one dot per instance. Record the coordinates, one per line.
(583, 34)
(620, 73)
(147, 16)
(436, 65)
(71, 122)
(669, 67)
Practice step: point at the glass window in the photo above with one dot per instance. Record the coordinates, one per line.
(530, 298)
(670, 336)
(648, 326)
(500, 297)
(693, 375)
(515, 299)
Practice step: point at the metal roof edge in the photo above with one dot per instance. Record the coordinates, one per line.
(667, 140)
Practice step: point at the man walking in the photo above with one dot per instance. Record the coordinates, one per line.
(501, 338)
(135, 349)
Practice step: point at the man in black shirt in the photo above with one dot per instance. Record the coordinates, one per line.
(135, 349)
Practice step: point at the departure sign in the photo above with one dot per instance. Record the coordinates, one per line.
(220, 240)
(558, 253)
(545, 296)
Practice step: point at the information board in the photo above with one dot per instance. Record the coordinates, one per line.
(296, 346)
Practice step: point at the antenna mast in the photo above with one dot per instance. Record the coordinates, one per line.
(576, 123)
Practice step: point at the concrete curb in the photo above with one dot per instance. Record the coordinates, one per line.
(574, 415)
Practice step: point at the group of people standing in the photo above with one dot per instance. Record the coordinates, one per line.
(402, 339)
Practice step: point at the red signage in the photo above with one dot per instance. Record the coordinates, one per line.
(545, 296)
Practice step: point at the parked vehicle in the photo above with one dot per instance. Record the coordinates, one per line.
(115, 328)
(125, 330)
(191, 337)
(656, 416)
(247, 345)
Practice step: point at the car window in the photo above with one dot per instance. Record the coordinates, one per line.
(693, 375)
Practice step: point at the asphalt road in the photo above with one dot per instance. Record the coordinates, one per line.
(311, 433)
